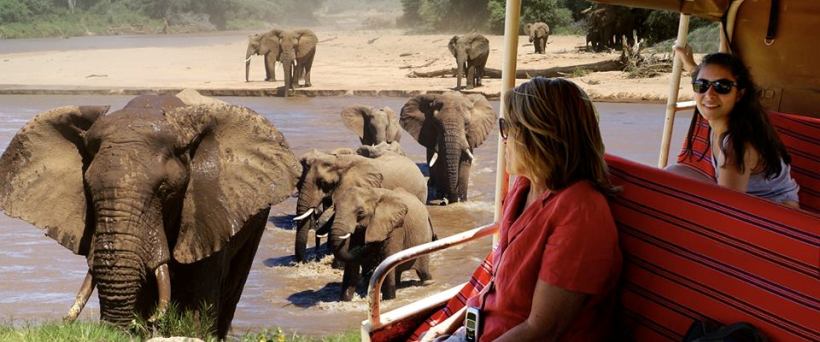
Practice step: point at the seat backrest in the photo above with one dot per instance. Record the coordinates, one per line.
(694, 250)
(800, 134)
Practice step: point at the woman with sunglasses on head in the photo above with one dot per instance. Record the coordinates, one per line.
(557, 261)
(747, 154)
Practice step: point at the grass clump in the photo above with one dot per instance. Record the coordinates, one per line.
(190, 323)
(58, 331)
(579, 72)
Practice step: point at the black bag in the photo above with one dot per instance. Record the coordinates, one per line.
(701, 331)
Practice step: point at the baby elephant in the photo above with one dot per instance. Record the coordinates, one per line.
(372, 224)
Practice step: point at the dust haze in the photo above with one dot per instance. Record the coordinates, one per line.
(351, 15)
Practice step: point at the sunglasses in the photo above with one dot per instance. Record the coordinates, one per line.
(503, 128)
(721, 86)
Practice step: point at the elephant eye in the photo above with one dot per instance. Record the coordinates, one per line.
(360, 214)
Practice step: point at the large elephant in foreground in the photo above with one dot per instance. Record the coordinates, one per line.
(372, 224)
(297, 51)
(372, 125)
(450, 126)
(324, 174)
(471, 51)
(267, 45)
(539, 34)
(166, 201)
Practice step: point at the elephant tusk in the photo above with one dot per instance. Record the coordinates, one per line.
(322, 236)
(304, 215)
(433, 160)
(470, 154)
(82, 297)
(164, 291)
(344, 237)
(247, 59)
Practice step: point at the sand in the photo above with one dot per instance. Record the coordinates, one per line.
(365, 62)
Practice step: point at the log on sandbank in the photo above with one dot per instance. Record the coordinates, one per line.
(611, 65)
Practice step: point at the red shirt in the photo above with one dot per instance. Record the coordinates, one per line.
(567, 239)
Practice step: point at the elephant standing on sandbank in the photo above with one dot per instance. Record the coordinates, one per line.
(450, 126)
(167, 201)
(372, 224)
(325, 174)
(267, 45)
(298, 48)
(471, 52)
(539, 34)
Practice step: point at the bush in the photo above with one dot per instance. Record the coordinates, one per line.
(662, 25)
(12, 11)
(551, 12)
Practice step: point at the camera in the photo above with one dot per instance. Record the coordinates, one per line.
(472, 323)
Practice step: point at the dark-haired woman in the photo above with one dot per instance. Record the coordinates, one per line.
(747, 154)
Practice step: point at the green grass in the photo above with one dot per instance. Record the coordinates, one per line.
(702, 40)
(58, 331)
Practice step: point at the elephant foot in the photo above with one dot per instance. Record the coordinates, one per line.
(270, 80)
(308, 85)
(347, 294)
(440, 201)
(337, 264)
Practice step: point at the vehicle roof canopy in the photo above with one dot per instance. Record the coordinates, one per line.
(787, 70)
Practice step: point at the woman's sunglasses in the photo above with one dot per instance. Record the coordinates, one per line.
(722, 86)
(503, 128)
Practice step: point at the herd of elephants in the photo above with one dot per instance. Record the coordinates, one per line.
(168, 197)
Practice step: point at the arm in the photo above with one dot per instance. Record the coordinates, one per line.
(686, 57)
(553, 308)
(446, 327)
(730, 176)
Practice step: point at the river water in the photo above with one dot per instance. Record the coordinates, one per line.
(39, 278)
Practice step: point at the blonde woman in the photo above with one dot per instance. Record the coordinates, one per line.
(557, 262)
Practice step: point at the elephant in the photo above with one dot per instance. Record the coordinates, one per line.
(453, 124)
(375, 151)
(471, 51)
(608, 24)
(265, 44)
(539, 34)
(324, 174)
(372, 125)
(297, 49)
(372, 224)
(166, 200)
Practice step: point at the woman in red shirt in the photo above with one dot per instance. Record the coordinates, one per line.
(557, 261)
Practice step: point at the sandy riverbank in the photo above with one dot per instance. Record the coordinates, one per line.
(368, 62)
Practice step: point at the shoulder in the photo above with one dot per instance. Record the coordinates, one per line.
(582, 201)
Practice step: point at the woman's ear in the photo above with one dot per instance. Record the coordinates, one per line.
(241, 165)
(41, 174)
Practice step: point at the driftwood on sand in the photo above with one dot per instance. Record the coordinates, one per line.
(611, 65)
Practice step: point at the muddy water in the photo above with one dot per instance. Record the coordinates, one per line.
(39, 278)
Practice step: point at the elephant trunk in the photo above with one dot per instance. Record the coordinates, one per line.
(341, 247)
(289, 68)
(461, 62)
(309, 200)
(340, 235)
(453, 149)
(126, 238)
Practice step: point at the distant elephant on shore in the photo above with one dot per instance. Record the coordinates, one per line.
(167, 201)
(324, 174)
(471, 52)
(297, 51)
(267, 45)
(450, 126)
(372, 125)
(372, 224)
(539, 34)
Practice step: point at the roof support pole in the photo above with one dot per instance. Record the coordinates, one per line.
(672, 97)
(512, 26)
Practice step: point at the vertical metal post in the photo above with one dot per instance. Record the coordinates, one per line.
(511, 27)
(672, 97)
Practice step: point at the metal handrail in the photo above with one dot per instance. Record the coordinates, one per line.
(374, 289)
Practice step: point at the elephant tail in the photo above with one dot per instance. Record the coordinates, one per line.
(429, 221)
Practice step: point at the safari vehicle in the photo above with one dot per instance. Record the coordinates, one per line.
(692, 251)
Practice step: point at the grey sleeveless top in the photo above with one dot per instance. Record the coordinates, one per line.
(779, 188)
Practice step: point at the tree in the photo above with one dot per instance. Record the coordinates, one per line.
(551, 12)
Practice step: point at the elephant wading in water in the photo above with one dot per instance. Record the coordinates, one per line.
(450, 126)
(324, 174)
(372, 125)
(267, 45)
(372, 224)
(539, 34)
(297, 51)
(167, 202)
(471, 51)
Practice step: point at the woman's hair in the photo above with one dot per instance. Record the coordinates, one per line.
(554, 121)
(748, 121)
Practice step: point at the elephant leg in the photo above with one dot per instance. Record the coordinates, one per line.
(389, 285)
(463, 179)
(422, 268)
(240, 266)
(308, 66)
(350, 280)
(270, 68)
(471, 77)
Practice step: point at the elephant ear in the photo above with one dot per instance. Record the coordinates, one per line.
(417, 119)
(269, 42)
(478, 46)
(452, 45)
(41, 174)
(393, 132)
(240, 165)
(388, 215)
(480, 120)
(353, 118)
(527, 28)
(307, 42)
